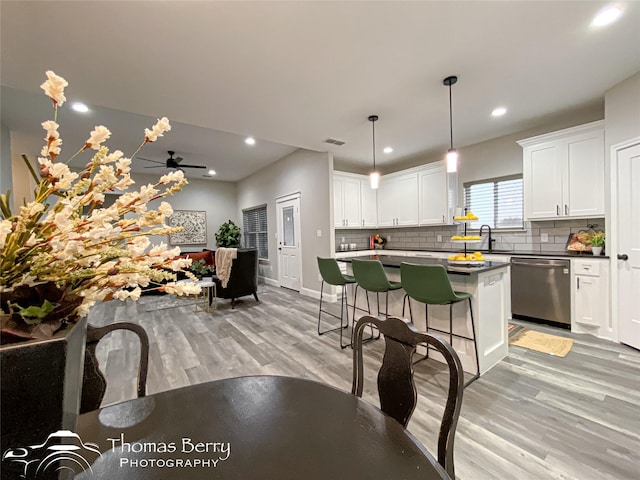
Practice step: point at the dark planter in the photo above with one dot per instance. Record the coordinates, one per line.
(41, 383)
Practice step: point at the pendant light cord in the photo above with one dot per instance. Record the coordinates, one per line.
(450, 117)
(373, 126)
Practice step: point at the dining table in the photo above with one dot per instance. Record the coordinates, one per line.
(253, 427)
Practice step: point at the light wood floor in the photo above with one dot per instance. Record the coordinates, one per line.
(533, 416)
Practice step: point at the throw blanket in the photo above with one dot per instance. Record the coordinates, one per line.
(224, 259)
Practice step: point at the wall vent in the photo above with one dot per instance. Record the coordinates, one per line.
(335, 142)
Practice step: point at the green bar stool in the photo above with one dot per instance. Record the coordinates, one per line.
(370, 277)
(331, 274)
(429, 284)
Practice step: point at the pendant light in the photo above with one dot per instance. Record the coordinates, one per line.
(452, 153)
(374, 176)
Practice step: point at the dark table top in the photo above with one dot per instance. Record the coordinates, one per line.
(263, 427)
(514, 253)
(394, 262)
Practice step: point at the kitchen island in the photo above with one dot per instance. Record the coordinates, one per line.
(490, 285)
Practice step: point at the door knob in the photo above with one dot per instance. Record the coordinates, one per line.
(623, 256)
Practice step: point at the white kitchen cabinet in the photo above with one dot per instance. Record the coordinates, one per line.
(563, 173)
(347, 211)
(368, 204)
(437, 194)
(591, 297)
(398, 200)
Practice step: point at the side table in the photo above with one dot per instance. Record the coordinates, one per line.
(208, 291)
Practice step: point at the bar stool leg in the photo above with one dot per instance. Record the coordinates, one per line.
(451, 324)
(475, 347)
(346, 311)
(404, 302)
(320, 308)
(341, 317)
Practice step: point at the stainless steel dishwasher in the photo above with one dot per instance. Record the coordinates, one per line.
(541, 289)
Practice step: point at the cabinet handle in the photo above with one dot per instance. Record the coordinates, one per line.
(558, 210)
(363, 222)
(566, 209)
(578, 279)
(444, 220)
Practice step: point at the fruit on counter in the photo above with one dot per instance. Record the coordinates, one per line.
(465, 237)
(468, 216)
(469, 257)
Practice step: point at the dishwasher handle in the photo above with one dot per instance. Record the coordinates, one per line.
(540, 265)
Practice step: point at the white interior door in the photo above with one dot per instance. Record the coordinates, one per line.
(288, 211)
(626, 224)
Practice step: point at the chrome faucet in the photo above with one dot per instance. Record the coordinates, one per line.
(491, 240)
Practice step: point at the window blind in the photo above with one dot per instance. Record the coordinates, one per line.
(497, 202)
(254, 222)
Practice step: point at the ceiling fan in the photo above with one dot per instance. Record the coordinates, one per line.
(171, 162)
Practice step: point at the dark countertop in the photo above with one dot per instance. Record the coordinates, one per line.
(394, 262)
(517, 253)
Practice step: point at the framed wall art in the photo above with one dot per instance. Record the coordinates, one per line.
(194, 223)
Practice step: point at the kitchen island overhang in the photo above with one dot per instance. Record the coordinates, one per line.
(490, 285)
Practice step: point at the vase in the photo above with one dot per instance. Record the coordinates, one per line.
(596, 251)
(41, 385)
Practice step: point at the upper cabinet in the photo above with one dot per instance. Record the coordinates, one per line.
(354, 201)
(437, 194)
(563, 173)
(398, 200)
(368, 204)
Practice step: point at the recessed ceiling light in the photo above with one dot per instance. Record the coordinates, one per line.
(606, 16)
(79, 107)
(499, 111)
(211, 172)
(387, 150)
(250, 141)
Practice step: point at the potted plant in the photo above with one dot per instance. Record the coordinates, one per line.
(228, 235)
(597, 242)
(200, 269)
(61, 253)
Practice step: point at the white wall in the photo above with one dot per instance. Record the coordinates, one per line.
(218, 199)
(6, 176)
(306, 172)
(622, 111)
(500, 156)
(622, 122)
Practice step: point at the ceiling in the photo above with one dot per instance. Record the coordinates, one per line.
(292, 74)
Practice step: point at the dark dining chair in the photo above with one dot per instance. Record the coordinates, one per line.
(396, 386)
(94, 383)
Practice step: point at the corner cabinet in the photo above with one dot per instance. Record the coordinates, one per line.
(563, 173)
(438, 194)
(398, 200)
(354, 202)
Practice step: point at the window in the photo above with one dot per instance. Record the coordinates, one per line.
(497, 202)
(254, 221)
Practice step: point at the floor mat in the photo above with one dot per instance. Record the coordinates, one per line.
(540, 342)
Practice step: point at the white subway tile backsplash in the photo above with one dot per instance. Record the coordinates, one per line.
(426, 237)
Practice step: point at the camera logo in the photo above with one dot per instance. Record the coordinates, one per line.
(63, 450)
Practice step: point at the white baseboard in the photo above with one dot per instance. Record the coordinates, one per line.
(327, 297)
(307, 292)
(269, 281)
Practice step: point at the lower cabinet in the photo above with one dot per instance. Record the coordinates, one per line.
(590, 312)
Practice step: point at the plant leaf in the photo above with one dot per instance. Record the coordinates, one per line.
(34, 314)
(4, 204)
(33, 172)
